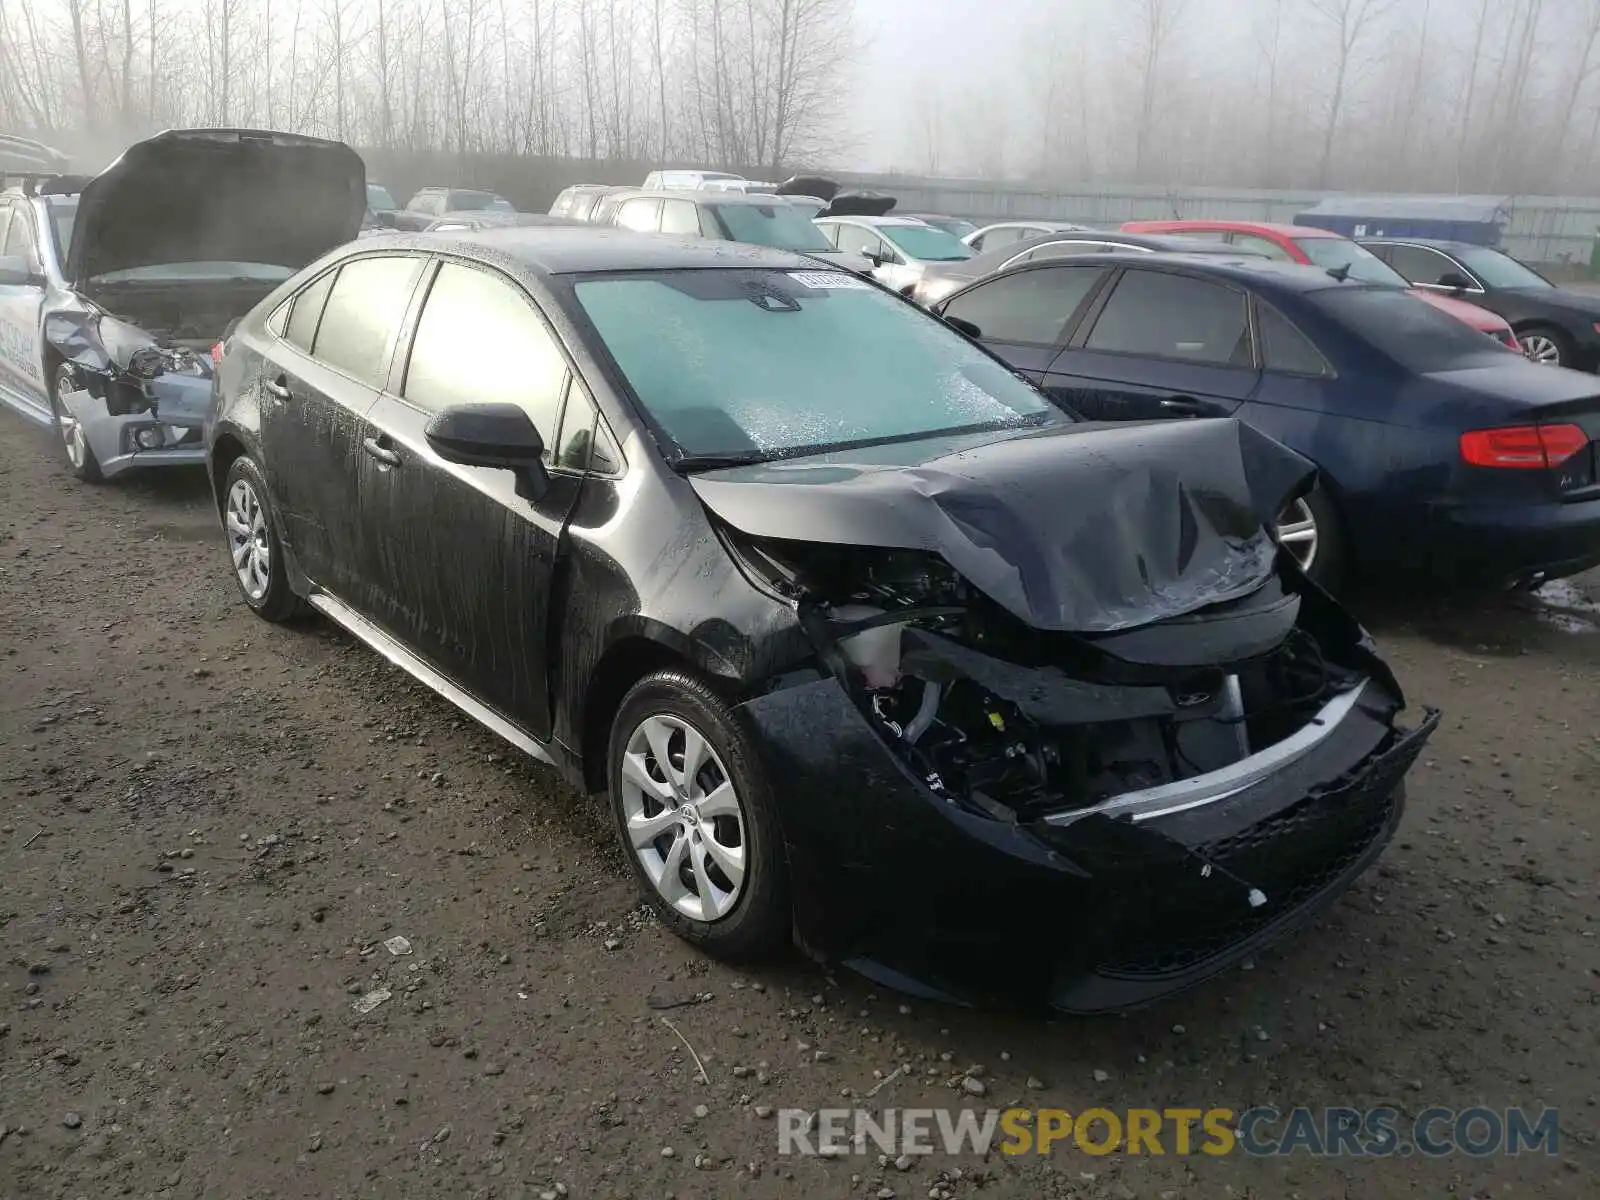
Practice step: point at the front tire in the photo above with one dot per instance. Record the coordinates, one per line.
(696, 819)
(1545, 345)
(254, 546)
(74, 441)
(1308, 527)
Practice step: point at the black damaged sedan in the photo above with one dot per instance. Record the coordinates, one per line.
(871, 646)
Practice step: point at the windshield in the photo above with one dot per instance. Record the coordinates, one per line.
(1410, 331)
(756, 364)
(378, 198)
(1331, 253)
(778, 224)
(926, 243)
(194, 272)
(62, 218)
(954, 226)
(474, 201)
(1498, 270)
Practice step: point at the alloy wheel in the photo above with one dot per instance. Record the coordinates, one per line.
(1297, 531)
(248, 540)
(1540, 348)
(683, 817)
(70, 428)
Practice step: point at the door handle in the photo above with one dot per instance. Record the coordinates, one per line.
(278, 387)
(382, 453)
(1184, 406)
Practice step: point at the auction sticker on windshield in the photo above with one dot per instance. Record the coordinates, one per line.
(828, 279)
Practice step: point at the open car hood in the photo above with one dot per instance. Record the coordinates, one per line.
(858, 204)
(1083, 528)
(218, 195)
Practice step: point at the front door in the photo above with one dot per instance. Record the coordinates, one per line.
(21, 364)
(315, 395)
(465, 561)
(1161, 345)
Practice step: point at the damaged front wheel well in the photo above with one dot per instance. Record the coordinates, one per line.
(622, 666)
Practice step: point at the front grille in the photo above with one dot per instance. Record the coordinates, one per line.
(1295, 856)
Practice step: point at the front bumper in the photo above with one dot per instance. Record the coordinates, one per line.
(167, 432)
(1106, 911)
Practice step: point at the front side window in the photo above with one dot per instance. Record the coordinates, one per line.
(1421, 265)
(754, 364)
(1261, 245)
(858, 239)
(364, 309)
(1029, 307)
(777, 224)
(468, 307)
(20, 240)
(641, 215)
(1173, 316)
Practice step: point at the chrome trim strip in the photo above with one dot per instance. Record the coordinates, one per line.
(1226, 781)
(343, 615)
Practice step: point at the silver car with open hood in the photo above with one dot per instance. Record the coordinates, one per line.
(114, 289)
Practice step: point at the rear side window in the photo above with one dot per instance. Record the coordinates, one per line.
(1030, 307)
(364, 309)
(1285, 348)
(467, 307)
(680, 216)
(1173, 316)
(307, 311)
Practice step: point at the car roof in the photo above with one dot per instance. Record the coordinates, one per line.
(1257, 270)
(582, 247)
(1436, 243)
(695, 196)
(867, 220)
(1275, 228)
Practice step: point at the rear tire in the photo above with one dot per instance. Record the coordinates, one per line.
(1545, 345)
(74, 443)
(700, 828)
(1310, 529)
(254, 546)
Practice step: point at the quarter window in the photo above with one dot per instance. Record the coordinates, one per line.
(307, 311)
(1173, 316)
(468, 307)
(364, 310)
(1285, 348)
(1030, 307)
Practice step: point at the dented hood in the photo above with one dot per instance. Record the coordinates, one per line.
(1084, 528)
(218, 195)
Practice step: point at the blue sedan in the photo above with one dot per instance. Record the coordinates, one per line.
(1440, 451)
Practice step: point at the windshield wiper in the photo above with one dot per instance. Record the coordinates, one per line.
(686, 463)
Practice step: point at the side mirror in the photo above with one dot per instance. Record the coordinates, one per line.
(385, 218)
(492, 435)
(1455, 281)
(15, 271)
(962, 327)
(873, 257)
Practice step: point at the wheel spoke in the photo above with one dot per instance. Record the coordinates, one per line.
(645, 830)
(718, 802)
(729, 858)
(236, 526)
(1297, 533)
(241, 551)
(669, 883)
(712, 898)
(637, 773)
(659, 734)
(694, 757)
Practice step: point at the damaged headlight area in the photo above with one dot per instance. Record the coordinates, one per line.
(125, 367)
(1020, 725)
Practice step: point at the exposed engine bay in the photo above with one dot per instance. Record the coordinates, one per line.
(188, 315)
(1013, 722)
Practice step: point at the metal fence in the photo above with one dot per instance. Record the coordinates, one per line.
(1540, 229)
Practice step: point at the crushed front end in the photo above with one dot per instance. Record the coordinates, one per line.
(983, 811)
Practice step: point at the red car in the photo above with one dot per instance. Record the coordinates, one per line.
(1319, 248)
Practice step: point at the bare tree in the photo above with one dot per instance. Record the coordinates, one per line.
(1352, 20)
(1157, 23)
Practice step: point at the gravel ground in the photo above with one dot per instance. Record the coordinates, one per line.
(209, 826)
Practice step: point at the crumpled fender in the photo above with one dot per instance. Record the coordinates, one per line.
(102, 347)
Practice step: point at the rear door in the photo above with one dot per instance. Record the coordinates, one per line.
(1023, 316)
(1160, 344)
(465, 563)
(323, 378)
